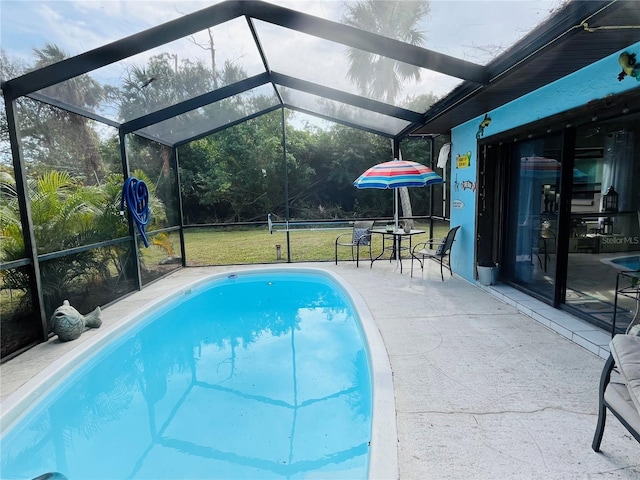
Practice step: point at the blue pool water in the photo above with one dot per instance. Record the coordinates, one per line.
(255, 376)
(628, 263)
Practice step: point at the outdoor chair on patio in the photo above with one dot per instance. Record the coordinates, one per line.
(359, 237)
(437, 249)
(622, 395)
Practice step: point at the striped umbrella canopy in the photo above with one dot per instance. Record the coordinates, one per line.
(397, 173)
(547, 168)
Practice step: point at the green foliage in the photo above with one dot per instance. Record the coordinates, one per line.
(235, 175)
(67, 214)
(53, 138)
(198, 177)
(346, 153)
(419, 103)
(62, 212)
(238, 174)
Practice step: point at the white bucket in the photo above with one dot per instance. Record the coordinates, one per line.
(487, 275)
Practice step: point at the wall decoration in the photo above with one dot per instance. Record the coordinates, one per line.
(464, 160)
(629, 67)
(457, 204)
(468, 185)
(464, 184)
(483, 124)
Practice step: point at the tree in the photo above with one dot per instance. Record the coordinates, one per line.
(244, 180)
(52, 137)
(164, 81)
(377, 76)
(59, 138)
(9, 68)
(343, 154)
(381, 77)
(419, 103)
(63, 214)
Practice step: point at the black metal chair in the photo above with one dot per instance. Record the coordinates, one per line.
(360, 236)
(437, 249)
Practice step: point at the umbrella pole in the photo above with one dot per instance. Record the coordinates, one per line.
(395, 208)
(395, 214)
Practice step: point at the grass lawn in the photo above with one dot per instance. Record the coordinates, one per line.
(247, 245)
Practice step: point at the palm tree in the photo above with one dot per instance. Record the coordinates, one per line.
(63, 214)
(68, 214)
(376, 76)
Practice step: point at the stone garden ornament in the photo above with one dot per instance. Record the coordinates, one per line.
(68, 323)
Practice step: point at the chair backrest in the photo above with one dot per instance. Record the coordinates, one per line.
(361, 234)
(447, 242)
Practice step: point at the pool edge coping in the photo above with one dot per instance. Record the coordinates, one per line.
(383, 453)
(610, 260)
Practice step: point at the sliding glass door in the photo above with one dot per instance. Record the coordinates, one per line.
(572, 217)
(605, 220)
(532, 211)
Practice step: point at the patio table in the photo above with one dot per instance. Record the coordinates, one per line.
(396, 247)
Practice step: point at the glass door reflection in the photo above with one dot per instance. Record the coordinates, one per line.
(605, 220)
(532, 239)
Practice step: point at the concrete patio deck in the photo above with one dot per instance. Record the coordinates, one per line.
(489, 384)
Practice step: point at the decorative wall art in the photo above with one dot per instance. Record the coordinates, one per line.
(464, 185)
(464, 160)
(629, 66)
(468, 185)
(483, 124)
(457, 204)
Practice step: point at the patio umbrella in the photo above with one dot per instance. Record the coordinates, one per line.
(548, 168)
(395, 174)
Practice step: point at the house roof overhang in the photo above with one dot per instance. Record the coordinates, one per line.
(582, 33)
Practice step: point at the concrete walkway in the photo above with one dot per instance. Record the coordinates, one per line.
(482, 390)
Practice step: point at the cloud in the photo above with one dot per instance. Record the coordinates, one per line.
(467, 29)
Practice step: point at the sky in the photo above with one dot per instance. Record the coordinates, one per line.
(466, 29)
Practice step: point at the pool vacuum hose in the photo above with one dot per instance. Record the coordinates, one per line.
(136, 196)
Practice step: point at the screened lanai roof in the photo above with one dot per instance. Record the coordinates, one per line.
(298, 60)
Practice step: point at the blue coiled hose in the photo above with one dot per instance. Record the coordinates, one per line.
(136, 195)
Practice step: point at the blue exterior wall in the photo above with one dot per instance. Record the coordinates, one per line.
(590, 83)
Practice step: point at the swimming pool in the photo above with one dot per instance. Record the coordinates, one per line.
(289, 358)
(631, 262)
